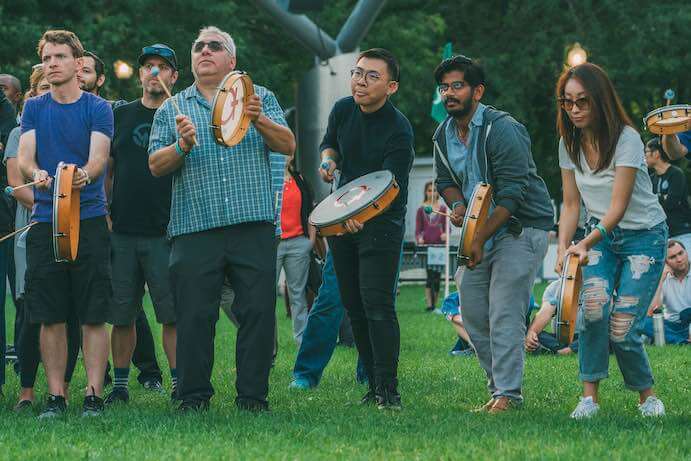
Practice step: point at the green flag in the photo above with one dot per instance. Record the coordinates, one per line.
(438, 111)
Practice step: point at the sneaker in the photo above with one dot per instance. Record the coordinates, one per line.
(193, 406)
(153, 385)
(117, 395)
(93, 406)
(586, 408)
(23, 406)
(251, 405)
(462, 353)
(485, 407)
(503, 404)
(370, 398)
(300, 383)
(174, 396)
(652, 407)
(56, 407)
(388, 398)
(429, 309)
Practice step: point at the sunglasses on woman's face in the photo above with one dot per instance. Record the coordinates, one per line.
(582, 103)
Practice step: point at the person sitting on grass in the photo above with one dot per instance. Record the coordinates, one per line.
(451, 308)
(536, 339)
(674, 292)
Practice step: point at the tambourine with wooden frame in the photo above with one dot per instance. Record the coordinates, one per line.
(567, 299)
(361, 199)
(228, 119)
(669, 119)
(475, 217)
(66, 216)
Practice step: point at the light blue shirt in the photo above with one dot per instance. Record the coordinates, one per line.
(463, 157)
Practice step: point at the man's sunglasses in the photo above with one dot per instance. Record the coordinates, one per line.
(214, 45)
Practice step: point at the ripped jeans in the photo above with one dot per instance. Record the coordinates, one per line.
(619, 283)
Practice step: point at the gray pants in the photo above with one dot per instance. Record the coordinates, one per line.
(494, 299)
(294, 257)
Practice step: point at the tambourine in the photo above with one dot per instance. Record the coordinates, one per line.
(228, 119)
(65, 214)
(361, 199)
(475, 217)
(567, 299)
(669, 119)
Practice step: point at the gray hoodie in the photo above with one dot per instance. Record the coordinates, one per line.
(507, 164)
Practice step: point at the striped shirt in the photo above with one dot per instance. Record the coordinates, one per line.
(217, 186)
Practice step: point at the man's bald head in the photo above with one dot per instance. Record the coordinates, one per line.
(12, 88)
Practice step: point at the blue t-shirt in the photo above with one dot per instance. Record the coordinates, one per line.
(685, 139)
(63, 134)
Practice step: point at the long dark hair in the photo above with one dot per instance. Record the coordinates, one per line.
(609, 116)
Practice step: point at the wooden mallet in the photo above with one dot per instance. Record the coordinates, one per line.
(155, 71)
(20, 230)
(429, 210)
(9, 189)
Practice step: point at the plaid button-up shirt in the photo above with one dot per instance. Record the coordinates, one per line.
(217, 186)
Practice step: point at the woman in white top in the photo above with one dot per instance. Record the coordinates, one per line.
(602, 163)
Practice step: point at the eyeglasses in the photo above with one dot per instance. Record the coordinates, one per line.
(456, 86)
(371, 76)
(582, 103)
(214, 45)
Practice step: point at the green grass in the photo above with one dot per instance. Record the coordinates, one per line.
(438, 391)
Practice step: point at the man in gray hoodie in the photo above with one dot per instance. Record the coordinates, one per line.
(479, 144)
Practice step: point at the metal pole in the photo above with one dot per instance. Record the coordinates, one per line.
(448, 251)
(358, 23)
(303, 29)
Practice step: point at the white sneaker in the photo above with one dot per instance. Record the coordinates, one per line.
(652, 407)
(586, 408)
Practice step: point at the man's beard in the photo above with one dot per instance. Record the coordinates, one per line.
(89, 88)
(466, 107)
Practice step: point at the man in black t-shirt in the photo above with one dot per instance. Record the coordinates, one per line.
(140, 211)
(366, 133)
(669, 183)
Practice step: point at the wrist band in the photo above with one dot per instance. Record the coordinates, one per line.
(457, 202)
(179, 150)
(603, 232)
(88, 179)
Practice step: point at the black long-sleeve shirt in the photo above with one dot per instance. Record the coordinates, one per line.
(382, 140)
(672, 191)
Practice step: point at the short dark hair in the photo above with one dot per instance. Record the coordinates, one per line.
(386, 56)
(99, 67)
(473, 73)
(672, 242)
(655, 144)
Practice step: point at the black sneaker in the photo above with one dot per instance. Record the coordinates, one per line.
(93, 406)
(388, 398)
(153, 385)
(370, 398)
(23, 406)
(193, 406)
(174, 396)
(254, 406)
(56, 407)
(117, 395)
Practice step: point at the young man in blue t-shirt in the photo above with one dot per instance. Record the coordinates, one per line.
(75, 127)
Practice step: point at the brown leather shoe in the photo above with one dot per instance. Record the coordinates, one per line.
(485, 407)
(502, 404)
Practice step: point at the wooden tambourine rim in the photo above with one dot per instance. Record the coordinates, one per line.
(658, 124)
(475, 216)
(219, 102)
(66, 214)
(567, 301)
(375, 207)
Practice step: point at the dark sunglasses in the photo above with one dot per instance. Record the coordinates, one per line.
(214, 45)
(582, 103)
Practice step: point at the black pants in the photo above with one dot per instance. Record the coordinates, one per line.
(366, 265)
(246, 254)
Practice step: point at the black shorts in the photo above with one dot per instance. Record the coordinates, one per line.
(137, 260)
(53, 289)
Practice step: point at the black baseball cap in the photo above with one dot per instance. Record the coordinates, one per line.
(163, 51)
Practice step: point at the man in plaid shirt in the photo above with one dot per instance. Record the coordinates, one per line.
(221, 223)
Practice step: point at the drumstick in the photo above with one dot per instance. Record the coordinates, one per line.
(10, 189)
(12, 234)
(155, 71)
(429, 210)
(669, 95)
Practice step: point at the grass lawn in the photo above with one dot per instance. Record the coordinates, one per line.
(438, 391)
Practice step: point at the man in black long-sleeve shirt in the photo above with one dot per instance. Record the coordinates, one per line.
(366, 133)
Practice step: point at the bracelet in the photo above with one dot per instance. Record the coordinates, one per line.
(456, 203)
(603, 232)
(88, 178)
(179, 150)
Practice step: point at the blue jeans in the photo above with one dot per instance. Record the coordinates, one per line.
(675, 332)
(321, 333)
(630, 262)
